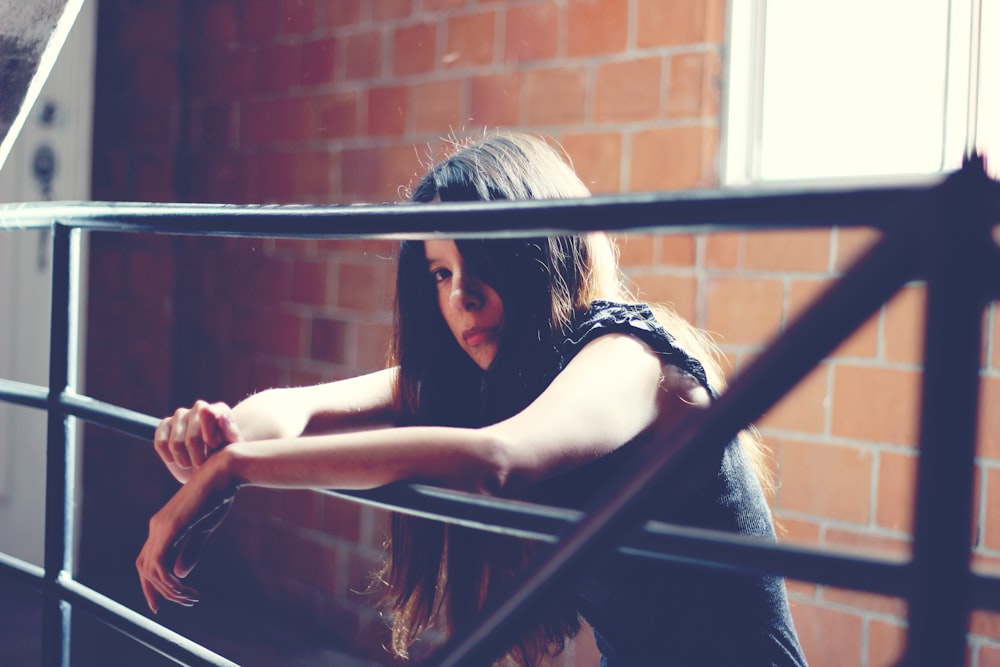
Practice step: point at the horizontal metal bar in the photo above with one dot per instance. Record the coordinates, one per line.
(112, 416)
(22, 570)
(546, 523)
(22, 393)
(152, 635)
(677, 211)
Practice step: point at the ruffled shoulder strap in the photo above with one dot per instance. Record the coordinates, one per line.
(635, 319)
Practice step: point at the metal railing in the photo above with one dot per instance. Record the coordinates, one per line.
(938, 230)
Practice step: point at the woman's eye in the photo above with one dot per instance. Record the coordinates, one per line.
(439, 275)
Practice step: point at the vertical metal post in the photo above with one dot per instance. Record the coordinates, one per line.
(58, 484)
(956, 246)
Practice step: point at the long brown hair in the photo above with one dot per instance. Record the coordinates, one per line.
(436, 571)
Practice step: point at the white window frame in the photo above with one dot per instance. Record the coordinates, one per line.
(743, 98)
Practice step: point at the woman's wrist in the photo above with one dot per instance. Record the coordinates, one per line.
(225, 477)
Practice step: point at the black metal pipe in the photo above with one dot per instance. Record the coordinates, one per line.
(152, 635)
(22, 571)
(22, 393)
(664, 212)
(955, 242)
(838, 312)
(58, 485)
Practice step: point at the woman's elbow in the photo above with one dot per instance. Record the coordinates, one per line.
(498, 464)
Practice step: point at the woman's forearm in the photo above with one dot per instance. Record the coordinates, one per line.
(462, 458)
(353, 404)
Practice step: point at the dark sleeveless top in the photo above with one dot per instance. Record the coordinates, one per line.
(667, 613)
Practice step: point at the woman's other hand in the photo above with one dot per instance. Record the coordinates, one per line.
(178, 532)
(186, 439)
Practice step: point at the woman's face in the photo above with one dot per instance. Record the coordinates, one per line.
(471, 308)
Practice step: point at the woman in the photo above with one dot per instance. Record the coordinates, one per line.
(520, 368)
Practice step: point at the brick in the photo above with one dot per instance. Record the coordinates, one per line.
(695, 86)
(988, 443)
(155, 77)
(635, 250)
(414, 49)
(298, 17)
(676, 290)
(279, 334)
(361, 174)
(804, 409)
(272, 177)
(744, 311)
(788, 250)
(386, 10)
(279, 120)
(886, 642)
(829, 637)
(896, 490)
(723, 250)
(554, 96)
(373, 346)
(278, 67)
(675, 158)
(988, 656)
(597, 159)
(596, 27)
(470, 41)
(316, 67)
(985, 624)
(494, 99)
(628, 91)
(437, 105)
(875, 404)
(258, 20)
(387, 111)
(675, 23)
(364, 55)
(991, 526)
(904, 326)
(532, 32)
(314, 174)
(797, 531)
(356, 286)
(852, 242)
(828, 481)
(342, 13)
(337, 114)
(212, 25)
(328, 341)
(995, 336)
(152, 27)
(863, 343)
(310, 282)
(677, 250)
(862, 601)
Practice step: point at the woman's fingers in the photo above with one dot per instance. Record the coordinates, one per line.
(217, 426)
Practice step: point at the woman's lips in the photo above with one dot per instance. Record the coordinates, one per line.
(477, 336)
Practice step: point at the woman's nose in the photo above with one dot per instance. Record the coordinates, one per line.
(465, 294)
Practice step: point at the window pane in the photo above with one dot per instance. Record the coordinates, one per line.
(855, 87)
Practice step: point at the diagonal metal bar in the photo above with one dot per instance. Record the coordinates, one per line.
(829, 321)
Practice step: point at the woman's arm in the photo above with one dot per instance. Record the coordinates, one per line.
(614, 391)
(188, 437)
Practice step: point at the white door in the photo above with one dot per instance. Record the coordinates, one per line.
(51, 158)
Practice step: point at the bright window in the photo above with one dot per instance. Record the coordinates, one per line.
(821, 89)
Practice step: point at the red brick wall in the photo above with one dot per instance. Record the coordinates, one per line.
(341, 101)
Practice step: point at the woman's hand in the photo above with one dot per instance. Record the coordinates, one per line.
(179, 531)
(185, 440)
